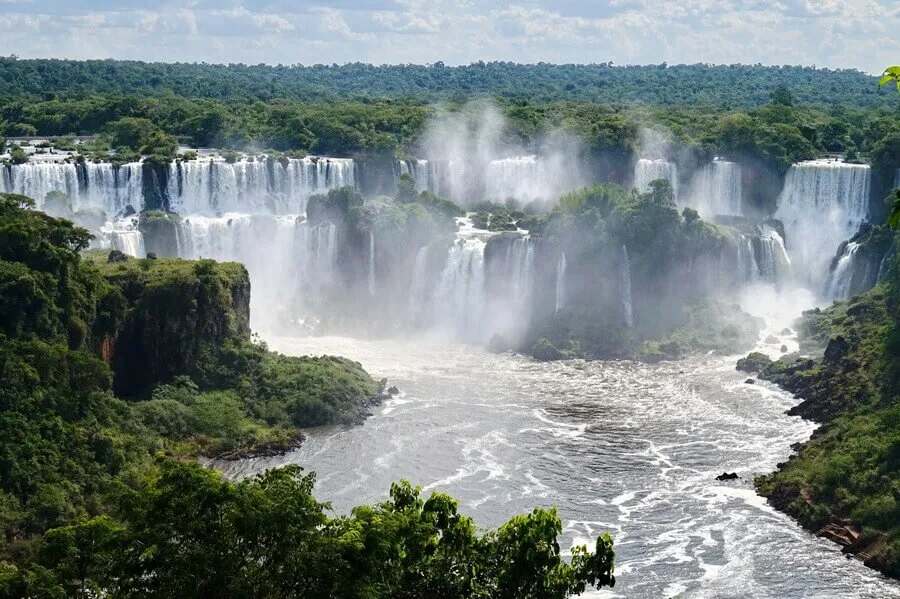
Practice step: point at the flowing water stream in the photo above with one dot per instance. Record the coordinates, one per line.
(623, 447)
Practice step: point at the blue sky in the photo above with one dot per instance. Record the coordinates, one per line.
(863, 34)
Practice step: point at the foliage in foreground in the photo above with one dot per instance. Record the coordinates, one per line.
(186, 532)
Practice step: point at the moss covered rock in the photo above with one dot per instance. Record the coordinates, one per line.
(753, 363)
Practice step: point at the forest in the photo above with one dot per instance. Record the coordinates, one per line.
(725, 86)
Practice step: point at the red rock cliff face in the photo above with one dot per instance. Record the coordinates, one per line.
(108, 349)
(179, 313)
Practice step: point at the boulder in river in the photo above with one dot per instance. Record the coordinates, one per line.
(393, 391)
(728, 476)
(754, 362)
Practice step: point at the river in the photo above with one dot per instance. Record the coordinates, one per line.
(623, 447)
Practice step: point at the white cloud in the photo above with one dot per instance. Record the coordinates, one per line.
(833, 33)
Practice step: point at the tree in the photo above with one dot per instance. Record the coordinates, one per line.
(406, 189)
(782, 95)
(893, 220)
(17, 155)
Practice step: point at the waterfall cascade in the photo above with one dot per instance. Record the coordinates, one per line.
(121, 235)
(716, 189)
(774, 263)
(525, 178)
(763, 258)
(418, 288)
(530, 178)
(254, 186)
(128, 242)
(371, 263)
(856, 268)
(98, 186)
(422, 173)
(627, 308)
(838, 284)
(822, 204)
(748, 270)
(291, 269)
(460, 294)
(560, 283)
(646, 170)
(519, 270)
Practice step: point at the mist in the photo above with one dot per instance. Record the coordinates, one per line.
(475, 247)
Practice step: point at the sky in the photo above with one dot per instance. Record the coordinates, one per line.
(862, 34)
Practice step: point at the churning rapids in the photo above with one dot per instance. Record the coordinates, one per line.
(623, 447)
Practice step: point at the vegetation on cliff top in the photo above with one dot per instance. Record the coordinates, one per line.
(673, 264)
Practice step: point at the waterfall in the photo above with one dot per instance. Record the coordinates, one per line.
(840, 280)
(531, 178)
(291, 263)
(855, 271)
(560, 283)
(716, 189)
(420, 171)
(773, 261)
(520, 177)
(627, 309)
(762, 258)
(371, 263)
(318, 249)
(417, 290)
(93, 185)
(520, 270)
(259, 186)
(112, 188)
(822, 204)
(37, 179)
(646, 170)
(128, 242)
(121, 235)
(748, 270)
(460, 293)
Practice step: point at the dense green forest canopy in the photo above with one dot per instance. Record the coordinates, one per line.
(658, 85)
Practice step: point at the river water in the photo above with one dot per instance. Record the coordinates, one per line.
(623, 447)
